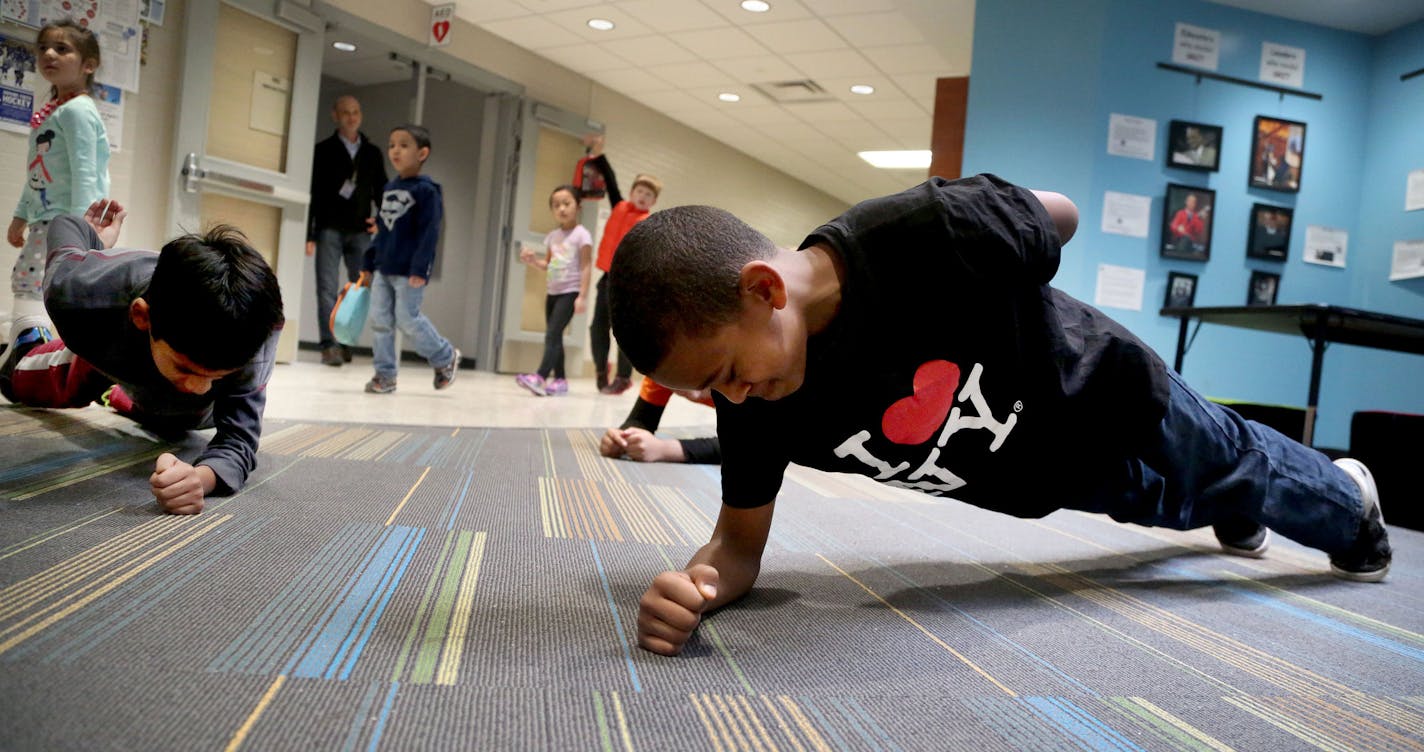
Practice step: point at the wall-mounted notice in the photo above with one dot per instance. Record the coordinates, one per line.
(1134, 137)
(1326, 245)
(1197, 47)
(1126, 214)
(1120, 287)
(1414, 191)
(1408, 260)
(1282, 65)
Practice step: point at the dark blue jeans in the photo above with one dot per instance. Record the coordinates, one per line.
(1206, 463)
(332, 247)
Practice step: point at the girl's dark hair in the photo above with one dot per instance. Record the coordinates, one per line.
(213, 298)
(675, 274)
(84, 41)
(417, 132)
(572, 192)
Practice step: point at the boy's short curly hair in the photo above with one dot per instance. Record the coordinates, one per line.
(676, 273)
(213, 298)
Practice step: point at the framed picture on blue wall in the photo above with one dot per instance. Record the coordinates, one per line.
(1277, 154)
(1269, 237)
(1181, 290)
(1193, 146)
(1186, 222)
(1263, 288)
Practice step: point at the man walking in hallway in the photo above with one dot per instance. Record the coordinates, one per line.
(347, 174)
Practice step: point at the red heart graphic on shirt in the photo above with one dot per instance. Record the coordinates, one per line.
(914, 419)
(441, 29)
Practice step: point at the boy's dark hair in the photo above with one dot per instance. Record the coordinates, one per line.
(578, 197)
(676, 273)
(213, 299)
(84, 41)
(418, 133)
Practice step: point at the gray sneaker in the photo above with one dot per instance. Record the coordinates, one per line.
(1242, 537)
(1367, 560)
(445, 376)
(380, 385)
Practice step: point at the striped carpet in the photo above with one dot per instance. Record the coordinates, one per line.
(399, 588)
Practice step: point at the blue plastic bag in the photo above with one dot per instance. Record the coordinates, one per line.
(348, 316)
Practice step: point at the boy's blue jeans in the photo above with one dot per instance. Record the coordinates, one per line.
(394, 303)
(1206, 463)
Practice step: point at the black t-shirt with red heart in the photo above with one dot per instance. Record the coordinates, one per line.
(951, 366)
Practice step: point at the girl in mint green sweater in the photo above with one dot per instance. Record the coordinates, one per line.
(68, 161)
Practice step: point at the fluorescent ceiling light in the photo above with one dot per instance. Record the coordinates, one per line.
(913, 159)
(728, 96)
(756, 6)
(862, 89)
(344, 46)
(601, 24)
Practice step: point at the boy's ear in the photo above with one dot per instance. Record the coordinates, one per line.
(138, 314)
(424, 154)
(762, 282)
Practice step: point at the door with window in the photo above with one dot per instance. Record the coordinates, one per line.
(248, 96)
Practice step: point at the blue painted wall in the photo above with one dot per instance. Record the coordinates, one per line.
(1046, 76)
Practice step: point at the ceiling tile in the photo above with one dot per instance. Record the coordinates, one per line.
(532, 32)
(893, 109)
(831, 63)
(807, 35)
(479, 11)
(645, 51)
(709, 94)
(877, 29)
(672, 15)
(672, 102)
(550, 6)
(718, 44)
(913, 58)
(909, 133)
(840, 88)
(631, 81)
(762, 114)
(781, 10)
(842, 7)
(692, 75)
(760, 69)
(919, 87)
(585, 58)
(576, 21)
(813, 112)
(857, 135)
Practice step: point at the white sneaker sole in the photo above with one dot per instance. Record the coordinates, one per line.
(1369, 497)
(1249, 553)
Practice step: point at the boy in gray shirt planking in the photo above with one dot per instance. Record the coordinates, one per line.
(184, 338)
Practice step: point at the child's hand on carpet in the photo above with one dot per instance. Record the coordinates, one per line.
(643, 446)
(672, 608)
(178, 486)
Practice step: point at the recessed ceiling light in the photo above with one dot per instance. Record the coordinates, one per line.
(756, 6)
(862, 89)
(344, 46)
(728, 96)
(914, 159)
(601, 24)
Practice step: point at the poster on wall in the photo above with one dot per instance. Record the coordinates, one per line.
(1126, 214)
(1269, 237)
(1414, 191)
(1196, 46)
(121, 39)
(1262, 289)
(1326, 245)
(1193, 146)
(17, 75)
(152, 11)
(23, 12)
(110, 102)
(1134, 137)
(1408, 262)
(1119, 287)
(1186, 222)
(1282, 65)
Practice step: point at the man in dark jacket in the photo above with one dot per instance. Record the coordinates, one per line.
(347, 174)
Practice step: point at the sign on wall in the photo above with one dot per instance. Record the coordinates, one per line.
(440, 18)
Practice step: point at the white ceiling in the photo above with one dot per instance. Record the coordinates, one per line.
(676, 56)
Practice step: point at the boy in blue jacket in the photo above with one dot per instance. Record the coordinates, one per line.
(399, 261)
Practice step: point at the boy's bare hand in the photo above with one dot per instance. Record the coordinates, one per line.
(643, 446)
(176, 485)
(417, 281)
(107, 217)
(16, 235)
(672, 608)
(612, 444)
(363, 279)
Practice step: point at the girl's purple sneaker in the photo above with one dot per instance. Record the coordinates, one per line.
(531, 381)
(555, 387)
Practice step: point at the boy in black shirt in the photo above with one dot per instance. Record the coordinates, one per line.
(986, 384)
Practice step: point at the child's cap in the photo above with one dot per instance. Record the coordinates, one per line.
(652, 183)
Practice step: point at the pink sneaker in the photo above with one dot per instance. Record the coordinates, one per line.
(531, 381)
(556, 387)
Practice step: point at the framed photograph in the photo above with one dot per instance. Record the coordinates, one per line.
(1186, 222)
(1193, 146)
(1181, 290)
(1270, 232)
(1277, 154)
(1263, 287)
